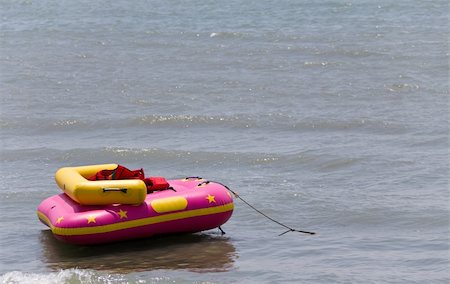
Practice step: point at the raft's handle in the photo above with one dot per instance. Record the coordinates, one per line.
(188, 178)
(124, 190)
(204, 183)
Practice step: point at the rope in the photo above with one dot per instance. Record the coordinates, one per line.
(265, 215)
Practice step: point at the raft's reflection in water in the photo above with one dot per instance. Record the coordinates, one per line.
(200, 252)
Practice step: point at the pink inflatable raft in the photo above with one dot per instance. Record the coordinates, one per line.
(187, 205)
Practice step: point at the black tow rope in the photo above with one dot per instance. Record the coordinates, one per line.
(268, 217)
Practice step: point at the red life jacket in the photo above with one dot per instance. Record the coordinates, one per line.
(152, 183)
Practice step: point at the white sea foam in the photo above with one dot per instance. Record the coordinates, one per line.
(63, 276)
(78, 276)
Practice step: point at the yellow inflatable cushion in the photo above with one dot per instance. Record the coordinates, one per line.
(73, 181)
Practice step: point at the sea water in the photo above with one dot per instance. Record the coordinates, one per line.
(328, 116)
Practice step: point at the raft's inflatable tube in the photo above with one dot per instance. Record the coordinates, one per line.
(193, 205)
(73, 181)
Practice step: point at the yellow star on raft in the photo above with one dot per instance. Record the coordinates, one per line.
(91, 219)
(211, 198)
(122, 214)
(59, 219)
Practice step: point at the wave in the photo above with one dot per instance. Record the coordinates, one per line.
(43, 124)
(75, 275)
(265, 122)
(106, 154)
(280, 121)
(184, 121)
(319, 63)
(154, 158)
(228, 34)
(72, 275)
(403, 87)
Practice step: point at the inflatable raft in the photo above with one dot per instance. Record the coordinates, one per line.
(103, 211)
